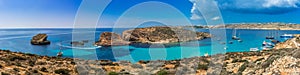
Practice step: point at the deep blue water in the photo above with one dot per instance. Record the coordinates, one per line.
(19, 40)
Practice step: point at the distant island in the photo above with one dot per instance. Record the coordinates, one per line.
(265, 26)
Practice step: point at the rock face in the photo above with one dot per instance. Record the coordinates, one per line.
(40, 39)
(162, 35)
(111, 39)
(290, 43)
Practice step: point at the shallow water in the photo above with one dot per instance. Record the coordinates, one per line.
(19, 40)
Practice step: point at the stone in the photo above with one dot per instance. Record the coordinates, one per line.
(40, 39)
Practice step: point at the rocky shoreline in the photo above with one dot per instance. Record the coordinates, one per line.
(281, 61)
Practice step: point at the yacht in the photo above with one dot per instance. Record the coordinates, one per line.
(234, 36)
(287, 36)
(270, 36)
(254, 49)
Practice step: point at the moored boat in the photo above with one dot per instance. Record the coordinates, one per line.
(287, 36)
(254, 49)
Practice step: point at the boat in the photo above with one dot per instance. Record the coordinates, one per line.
(240, 40)
(254, 49)
(206, 54)
(275, 41)
(234, 36)
(60, 53)
(287, 36)
(266, 44)
(230, 42)
(270, 36)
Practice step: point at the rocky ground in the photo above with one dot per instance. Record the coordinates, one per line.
(282, 61)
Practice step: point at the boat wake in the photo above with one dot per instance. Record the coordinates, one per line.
(85, 47)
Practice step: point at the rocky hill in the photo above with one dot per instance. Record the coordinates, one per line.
(151, 35)
(282, 61)
(162, 35)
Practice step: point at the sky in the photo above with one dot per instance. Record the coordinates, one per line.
(62, 13)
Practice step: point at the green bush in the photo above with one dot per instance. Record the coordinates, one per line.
(2, 73)
(238, 60)
(113, 73)
(162, 72)
(243, 67)
(203, 66)
(62, 71)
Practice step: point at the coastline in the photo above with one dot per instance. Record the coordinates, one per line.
(255, 26)
(263, 61)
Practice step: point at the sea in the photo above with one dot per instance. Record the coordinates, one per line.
(18, 40)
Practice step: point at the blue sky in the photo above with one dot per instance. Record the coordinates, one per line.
(62, 13)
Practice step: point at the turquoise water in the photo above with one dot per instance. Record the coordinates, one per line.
(18, 40)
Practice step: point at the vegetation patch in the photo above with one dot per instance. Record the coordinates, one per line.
(62, 71)
(203, 66)
(162, 72)
(113, 73)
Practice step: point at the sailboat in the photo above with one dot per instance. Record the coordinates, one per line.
(234, 37)
(274, 41)
(60, 53)
(270, 36)
(240, 40)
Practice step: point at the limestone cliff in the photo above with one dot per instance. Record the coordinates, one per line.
(111, 39)
(290, 43)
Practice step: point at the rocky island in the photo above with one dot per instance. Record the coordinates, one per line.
(152, 35)
(40, 39)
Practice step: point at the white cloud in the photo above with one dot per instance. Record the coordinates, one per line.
(281, 3)
(195, 17)
(216, 18)
(259, 6)
(195, 13)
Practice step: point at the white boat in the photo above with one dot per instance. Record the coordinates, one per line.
(240, 40)
(234, 36)
(287, 36)
(225, 48)
(206, 54)
(254, 49)
(59, 54)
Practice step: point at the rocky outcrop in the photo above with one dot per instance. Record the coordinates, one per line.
(111, 39)
(162, 35)
(290, 43)
(40, 39)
